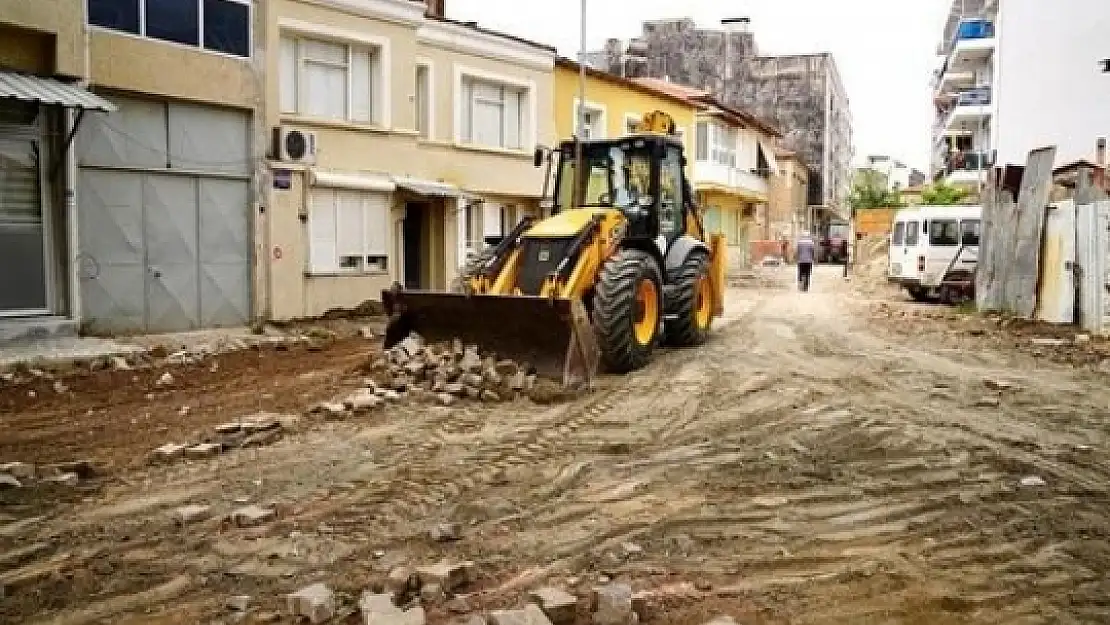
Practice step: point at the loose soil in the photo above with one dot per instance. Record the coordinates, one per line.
(825, 458)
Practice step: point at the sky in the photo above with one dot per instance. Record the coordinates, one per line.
(885, 49)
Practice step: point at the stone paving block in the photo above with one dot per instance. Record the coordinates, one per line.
(168, 453)
(62, 479)
(229, 428)
(18, 470)
(613, 605)
(8, 481)
(531, 615)
(191, 514)
(449, 576)
(378, 609)
(204, 450)
(251, 516)
(315, 603)
(559, 606)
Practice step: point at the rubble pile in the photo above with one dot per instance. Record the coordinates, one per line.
(23, 474)
(257, 430)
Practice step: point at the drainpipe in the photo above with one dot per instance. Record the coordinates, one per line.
(73, 243)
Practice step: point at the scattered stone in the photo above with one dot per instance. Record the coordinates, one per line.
(770, 502)
(449, 576)
(252, 516)
(1047, 342)
(490, 396)
(119, 363)
(366, 332)
(473, 392)
(470, 361)
(530, 615)
(83, 468)
(261, 439)
(191, 514)
(363, 401)
(7, 481)
(60, 388)
(402, 581)
(1033, 481)
(632, 549)
(703, 585)
(988, 402)
(168, 452)
(331, 410)
(261, 422)
(315, 603)
(401, 383)
(640, 602)
(183, 411)
(558, 605)
(517, 381)
(446, 532)
(613, 605)
(267, 617)
(63, 479)
(238, 603)
(722, 620)
(446, 399)
(204, 450)
(378, 609)
(391, 394)
(1081, 339)
(20, 470)
(506, 368)
(471, 379)
(165, 380)
(459, 605)
(432, 594)
(229, 428)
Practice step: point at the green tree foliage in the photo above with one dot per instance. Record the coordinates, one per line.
(870, 191)
(941, 194)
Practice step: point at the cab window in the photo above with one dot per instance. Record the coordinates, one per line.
(899, 233)
(969, 232)
(911, 232)
(670, 193)
(945, 232)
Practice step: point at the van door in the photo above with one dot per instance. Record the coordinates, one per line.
(940, 253)
(911, 266)
(895, 249)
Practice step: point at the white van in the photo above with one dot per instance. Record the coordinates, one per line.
(934, 250)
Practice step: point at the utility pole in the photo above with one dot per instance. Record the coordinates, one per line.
(579, 164)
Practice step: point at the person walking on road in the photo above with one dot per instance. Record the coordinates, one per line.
(806, 254)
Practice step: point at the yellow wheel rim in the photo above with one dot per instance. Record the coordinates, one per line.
(703, 311)
(647, 312)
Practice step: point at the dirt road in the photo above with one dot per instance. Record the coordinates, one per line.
(813, 464)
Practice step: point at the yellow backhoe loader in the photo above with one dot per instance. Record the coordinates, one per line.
(622, 264)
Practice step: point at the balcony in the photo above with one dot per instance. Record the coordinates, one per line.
(974, 43)
(751, 184)
(971, 111)
(966, 167)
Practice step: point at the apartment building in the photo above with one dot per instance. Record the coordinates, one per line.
(734, 162)
(128, 164)
(401, 140)
(1015, 75)
(788, 207)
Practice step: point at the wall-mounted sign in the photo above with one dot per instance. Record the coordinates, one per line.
(283, 178)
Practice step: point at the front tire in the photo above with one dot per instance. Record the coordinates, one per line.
(692, 304)
(627, 310)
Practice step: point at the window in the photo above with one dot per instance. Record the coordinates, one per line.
(701, 149)
(631, 124)
(912, 233)
(898, 237)
(493, 114)
(423, 95)
(944, 232)
(671, 193)
(217, 25)
(347, 231)
(327, 79)
(724, 145)
(595, 123)
(969, 232)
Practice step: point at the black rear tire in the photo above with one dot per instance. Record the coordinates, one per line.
(918, 294)
(615, 310)
(684, 330)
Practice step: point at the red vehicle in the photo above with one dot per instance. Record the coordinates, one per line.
(833, 243)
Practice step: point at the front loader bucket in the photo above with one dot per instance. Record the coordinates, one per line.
(552, 335)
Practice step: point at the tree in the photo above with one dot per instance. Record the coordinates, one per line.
(941, 194)
(870, 191)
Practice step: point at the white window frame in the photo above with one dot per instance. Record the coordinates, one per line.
(335, 267)
(429, 133)
(631, 122)
(722, 150)
(380, 66)
(529, 119)
(200, 30)
(592, 109)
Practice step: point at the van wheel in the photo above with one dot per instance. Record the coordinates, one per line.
(918, 294)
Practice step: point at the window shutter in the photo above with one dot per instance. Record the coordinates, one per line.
(361, 91)
(349, 227)
(287, 74)
(487, 123)
(321, 231)
(491, 220)
(701, 148)
(376, 214)
(325, 91)
(514, 119)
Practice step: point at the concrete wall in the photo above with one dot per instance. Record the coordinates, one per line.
(1048, 85)
(789, 198)
(63, 21)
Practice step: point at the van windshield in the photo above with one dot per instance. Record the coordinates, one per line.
(944, 232)
(899, 233)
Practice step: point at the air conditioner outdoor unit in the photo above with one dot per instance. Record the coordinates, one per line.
(294, 145)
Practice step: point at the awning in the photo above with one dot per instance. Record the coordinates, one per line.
(429, 188)
(769, 156)
(361, 182)
(27, 88)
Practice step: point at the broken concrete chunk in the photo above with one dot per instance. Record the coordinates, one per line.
(204, 450)
(401, 581)
(558, 605)
(83, 468)
(613, 605)
(517, 381)
(229, 428)
(456, 389)
(18, 470)
(166, 379)
(62, 479)
(331, 409)
(530, 615)
(7, 481)
(490, 396)
(473, 392)
(168, 452)
(988, 402)
(471, 362)
(261, 439)
(722, 620)
(364, 401)
(471, 379)
(390, 395)
(446, 532)
(238, 603)
(315, 603)
(191, 514)
(251, 516)
(506, 367)
(432, 594)
(446, 399)
(449, 576)
(378, 609)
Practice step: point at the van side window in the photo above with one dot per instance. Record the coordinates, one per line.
(911, 232)
(969, 232)
(899, 233)
(945, 232)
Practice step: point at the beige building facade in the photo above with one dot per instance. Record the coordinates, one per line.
(130, 158)
(787, 210)
(399, 142)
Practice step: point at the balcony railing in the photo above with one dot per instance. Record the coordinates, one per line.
(967, 161)
(968, 30)
(979, 96)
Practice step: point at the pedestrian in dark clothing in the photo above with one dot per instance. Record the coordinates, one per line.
(844, 255)
(806, 253)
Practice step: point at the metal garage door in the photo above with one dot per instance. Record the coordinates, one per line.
(164, 216)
